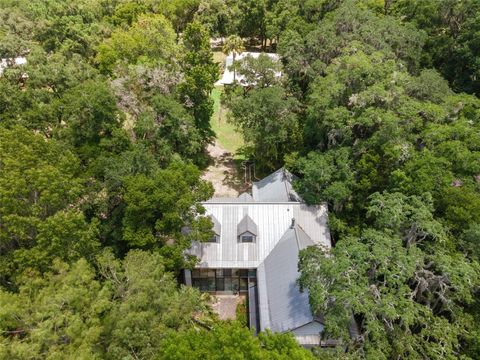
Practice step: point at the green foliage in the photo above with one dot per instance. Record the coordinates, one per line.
(91, 113)
(261, 72)
(56, 316)
(328, 176)
(125, 309)
(230, 341)
(401, 292)
(201, 72)
(361, 113)
(452, 44)
(170, 130)
(220, 17)
(150, 39)
(40, 204)
(394, 152)
(241, 313)
(269, 123)
(160, 206)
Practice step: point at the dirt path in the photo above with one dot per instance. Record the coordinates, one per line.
(226, 178)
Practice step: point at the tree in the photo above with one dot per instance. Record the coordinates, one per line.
(221, 17)
(398, 290)
(201, 72)
(148, 305)
(327, 177)
(40, 204)
(170, 130)
(259, 72)
(150, 39)
(159, 208)
(233, 45)
(230, 340)
(117, 309)
(58, 315)
(91, 114)
(451, 46)
(269, 123)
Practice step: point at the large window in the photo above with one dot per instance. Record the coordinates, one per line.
(223, 280)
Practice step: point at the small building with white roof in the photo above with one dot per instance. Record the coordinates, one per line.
(228, 74)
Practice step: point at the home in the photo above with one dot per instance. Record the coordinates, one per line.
(228, 74)
(8, 62)
(255, 252)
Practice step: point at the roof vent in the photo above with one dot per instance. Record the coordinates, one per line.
(292, 225)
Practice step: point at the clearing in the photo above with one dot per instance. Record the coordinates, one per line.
(225, 170)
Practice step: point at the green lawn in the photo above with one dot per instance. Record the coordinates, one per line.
(219, 57)
(227, 135)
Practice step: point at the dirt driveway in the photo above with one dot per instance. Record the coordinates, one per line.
(223, 172)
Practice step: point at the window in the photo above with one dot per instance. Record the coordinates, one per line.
(247, 238)
(214, 239)
(228, 280)
(243, 284)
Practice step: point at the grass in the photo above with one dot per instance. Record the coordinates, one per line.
(219, 57)
(226, 133)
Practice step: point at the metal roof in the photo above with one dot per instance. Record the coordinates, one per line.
(276, 187)
(246, 197)
(247, 225)
(217, 228)
(282, 306)
(272, 220)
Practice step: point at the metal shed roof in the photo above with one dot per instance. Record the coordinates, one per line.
(276, 187)
(282, 306)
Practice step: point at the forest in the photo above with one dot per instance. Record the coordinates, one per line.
(103, 137)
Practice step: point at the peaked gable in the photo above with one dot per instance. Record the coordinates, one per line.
(247, 225)
(276, 187)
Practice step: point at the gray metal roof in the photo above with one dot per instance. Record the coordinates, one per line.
(276, 187)
(303, 239)
(246, 197)
(272, 220)
(247, 225)
(217, 228)
(282, 306)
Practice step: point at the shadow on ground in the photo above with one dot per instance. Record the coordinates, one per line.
(224, 172)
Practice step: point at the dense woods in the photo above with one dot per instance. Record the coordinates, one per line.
(103, 136)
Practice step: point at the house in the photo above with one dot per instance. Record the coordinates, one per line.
(7, 62)
(227, 78)
(255, 251)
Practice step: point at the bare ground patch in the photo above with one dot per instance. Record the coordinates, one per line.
(224, 172)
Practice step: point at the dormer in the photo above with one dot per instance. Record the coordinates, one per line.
(217, 229)
(247, 230)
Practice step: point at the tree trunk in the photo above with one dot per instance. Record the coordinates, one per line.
(233, 64)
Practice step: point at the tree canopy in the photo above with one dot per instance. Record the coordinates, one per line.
(373, 104)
